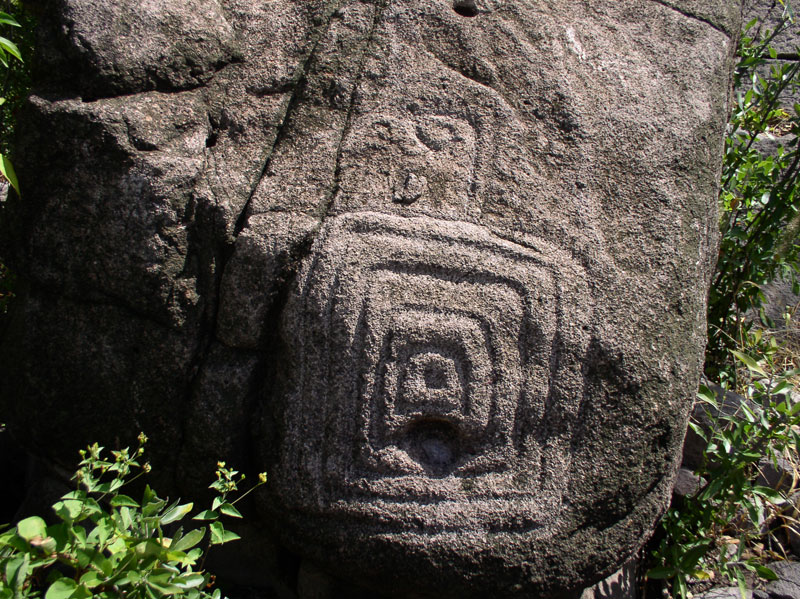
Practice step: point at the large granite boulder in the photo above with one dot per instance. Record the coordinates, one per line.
(439, 267)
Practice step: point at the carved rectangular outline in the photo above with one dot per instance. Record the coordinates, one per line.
(394, 240)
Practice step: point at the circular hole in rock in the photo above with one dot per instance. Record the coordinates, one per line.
(434, 445)
(466, 8)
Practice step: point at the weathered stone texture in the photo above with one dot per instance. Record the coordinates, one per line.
(440, 267)
(126, 47)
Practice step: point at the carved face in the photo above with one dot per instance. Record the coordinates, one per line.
(469, 243)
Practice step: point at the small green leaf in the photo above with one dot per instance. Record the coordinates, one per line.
(698, 430)
(7, 19)
(149, 548)
(59, 533)
(768, 493)
(751, 364)
(765, 572)
(690, 558)
(707, 395)
(229, 510)
(206, 515)
(68, 509)
(161, 583)
(661, 572)
(102, 532)
(78, 495)
(148, 495)
(191, 581)
(125, 518)
(85, 556)
(10, 47)
(219, 535)
(781, 387)
(80, 535)
(7, 170)
(176, 513)
(191, 539)
(92, 579)
(16, 571)
(32, 527)
(82, 592)
(61, 589)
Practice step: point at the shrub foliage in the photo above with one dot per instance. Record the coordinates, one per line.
(760, 192)
(106, 544)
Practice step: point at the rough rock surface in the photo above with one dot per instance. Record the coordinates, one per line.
(788, 584)
(620, 585)
(724, 593)
(440, 267)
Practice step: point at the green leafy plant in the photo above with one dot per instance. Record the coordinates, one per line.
(760, 192)
(8, 49)
(719, 529)
(14, 86)
(106, 544)
(17, 28)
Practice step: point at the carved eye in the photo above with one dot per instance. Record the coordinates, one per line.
(466, 8)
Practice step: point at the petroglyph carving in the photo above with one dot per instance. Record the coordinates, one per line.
(440, 266)
(425, 353)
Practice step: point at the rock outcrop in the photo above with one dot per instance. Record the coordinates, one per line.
(439, 267)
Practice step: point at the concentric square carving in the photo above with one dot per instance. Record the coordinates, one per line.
(424, 357)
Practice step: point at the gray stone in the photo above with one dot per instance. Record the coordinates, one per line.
(793, 534)
(792, 524)
(780, 299)
(256, 272)
(439, 267)
(724, 593)
(778, 475)
(620, 585)
(687, 483)
(770, 14)
(788, 584)
(135, 45)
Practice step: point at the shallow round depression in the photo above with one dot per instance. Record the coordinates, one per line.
(434, 445)
(465, 8)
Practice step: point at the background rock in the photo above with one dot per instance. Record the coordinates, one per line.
(788, 584)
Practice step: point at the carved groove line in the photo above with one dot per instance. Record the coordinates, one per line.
(296, 84)
(690, 15)
(337, 171)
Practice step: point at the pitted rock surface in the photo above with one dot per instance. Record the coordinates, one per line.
(439, 267)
